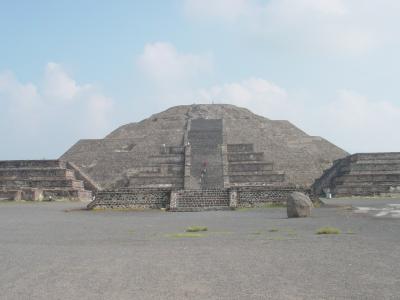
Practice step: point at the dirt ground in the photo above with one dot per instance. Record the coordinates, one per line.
(52, 251)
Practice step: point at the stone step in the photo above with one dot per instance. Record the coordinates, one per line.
(169, 173)
(205, 138)
(367, 184)
(360, 190)
(206, 124)
(371, 167)
(266, 178)
(371, 178)
(245, 156)
(197, 209)
(8, 164)
(249, 167)
(376, 161)
(202, 198)
(257, 173)
(377, 156)
(165, 159)
(38, 173)
(373, 172)
(245, 162)
(40, 183)
(68, 193)
(259, 184)
(43, 194)
(240, 148)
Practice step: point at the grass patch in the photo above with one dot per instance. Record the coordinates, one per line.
(186, 235)
(328, 230)
(196, 228)
(256, 233)
(278, 238)
(273, 230)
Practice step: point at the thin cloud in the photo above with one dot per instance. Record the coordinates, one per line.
(164, 65)
(57, 109)
(340, 27)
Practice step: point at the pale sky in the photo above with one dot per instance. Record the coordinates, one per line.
(79, 69)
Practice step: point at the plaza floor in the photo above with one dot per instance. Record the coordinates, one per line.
(56, 251)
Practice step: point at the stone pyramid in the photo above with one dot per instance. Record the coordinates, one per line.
(204, 146)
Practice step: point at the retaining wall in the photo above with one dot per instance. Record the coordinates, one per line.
(192, 200)
(139, 198)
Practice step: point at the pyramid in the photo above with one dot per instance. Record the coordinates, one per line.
(204, 147)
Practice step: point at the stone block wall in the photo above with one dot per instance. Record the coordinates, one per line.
(257, 197)
(136, 198)
(200, 199)
(248, 168)
(363, 174)
(192, 200)
(41, 179)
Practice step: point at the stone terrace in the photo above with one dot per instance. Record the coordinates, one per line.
(363, 174)
(40, 179)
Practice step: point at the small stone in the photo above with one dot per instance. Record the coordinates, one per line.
(299, 205)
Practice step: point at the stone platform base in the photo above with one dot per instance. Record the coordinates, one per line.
(192, 200)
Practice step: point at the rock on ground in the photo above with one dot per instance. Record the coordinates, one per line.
(299, 205)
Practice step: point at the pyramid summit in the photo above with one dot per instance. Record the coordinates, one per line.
(204, 146)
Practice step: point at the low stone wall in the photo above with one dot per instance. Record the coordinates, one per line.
(32, 164)
(192, 200)
(199, 198)
(257, 197)
(138, 198)
(22, 194)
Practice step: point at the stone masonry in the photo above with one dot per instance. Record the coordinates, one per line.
(362, 174)
(188, 157)
(41, 179)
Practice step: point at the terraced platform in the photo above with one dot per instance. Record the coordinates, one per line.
(40, 180)
(363, 174)
(186, 148)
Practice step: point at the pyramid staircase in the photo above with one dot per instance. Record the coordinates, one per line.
(42, 179)
(248, 168)
(205, 138)
(164, 169)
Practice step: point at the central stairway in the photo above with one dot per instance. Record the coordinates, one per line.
(200, 200)
(205, 190)
(205, 137)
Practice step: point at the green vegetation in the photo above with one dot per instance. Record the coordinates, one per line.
(273, 230)
(256, 233)
(186, 235)
(328, 230)
(196, 228)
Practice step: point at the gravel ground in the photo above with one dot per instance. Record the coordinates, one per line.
(50, 251)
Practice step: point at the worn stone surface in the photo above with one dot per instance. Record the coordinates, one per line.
(299, 205)
(362, 174)
(151, 153)
(41, 179)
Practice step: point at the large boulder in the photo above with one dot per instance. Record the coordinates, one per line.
(299, 205)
